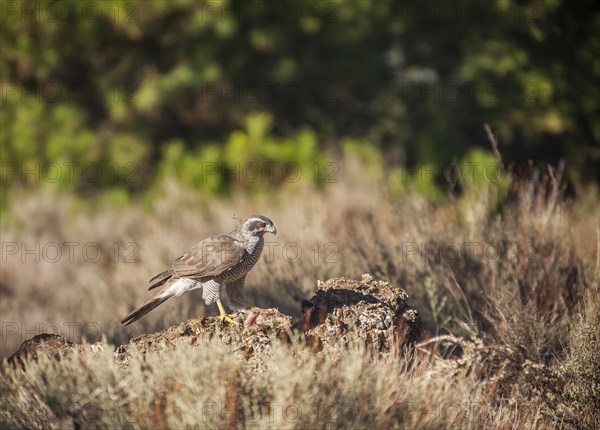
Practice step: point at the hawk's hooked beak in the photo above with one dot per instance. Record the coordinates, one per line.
(273, 229)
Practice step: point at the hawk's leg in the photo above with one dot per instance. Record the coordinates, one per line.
(224, 316)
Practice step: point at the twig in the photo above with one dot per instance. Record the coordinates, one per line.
(493, 142)
(598, 253)
(551, 173)
(437, 339)
(464, 297)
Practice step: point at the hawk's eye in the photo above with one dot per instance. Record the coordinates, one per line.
(262, 224)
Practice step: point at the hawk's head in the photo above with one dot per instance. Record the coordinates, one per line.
(257, 225)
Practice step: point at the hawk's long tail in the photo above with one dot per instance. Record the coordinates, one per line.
(169, 287)
(142, 310)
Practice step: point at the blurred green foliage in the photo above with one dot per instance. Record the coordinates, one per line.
(251, 159)
(146, 90)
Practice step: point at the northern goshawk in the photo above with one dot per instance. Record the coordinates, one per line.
(218, 265)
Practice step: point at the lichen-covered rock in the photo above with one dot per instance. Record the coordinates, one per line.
(367, 309)
(51, 345)
(252, 335)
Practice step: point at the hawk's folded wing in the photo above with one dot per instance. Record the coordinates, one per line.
(211, 257)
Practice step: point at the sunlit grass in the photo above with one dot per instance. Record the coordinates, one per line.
(517, 282)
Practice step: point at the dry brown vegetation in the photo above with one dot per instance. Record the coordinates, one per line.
(513, 274)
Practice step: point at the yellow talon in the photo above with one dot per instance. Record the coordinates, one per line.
(228, 318)
(224, 316)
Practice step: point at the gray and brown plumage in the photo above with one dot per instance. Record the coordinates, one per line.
(218, 265)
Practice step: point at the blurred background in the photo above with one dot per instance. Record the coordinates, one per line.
(132, 129)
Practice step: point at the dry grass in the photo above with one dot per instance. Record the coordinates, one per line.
(519, 282)
(219, 391)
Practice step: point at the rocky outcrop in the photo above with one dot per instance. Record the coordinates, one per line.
(51, 345)
(366, 310)
(341, 311)
(251, 335)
